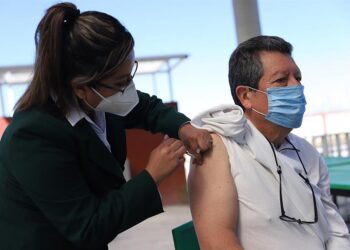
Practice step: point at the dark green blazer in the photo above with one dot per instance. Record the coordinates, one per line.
(61, 188)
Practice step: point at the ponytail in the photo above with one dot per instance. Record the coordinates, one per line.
(73, 48)
(48, 79)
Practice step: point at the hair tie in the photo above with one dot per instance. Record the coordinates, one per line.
(70, 16)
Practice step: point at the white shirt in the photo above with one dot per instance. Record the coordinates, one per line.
(75, 115)
(254, 171)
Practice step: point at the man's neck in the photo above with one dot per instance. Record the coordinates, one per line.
(272, 132)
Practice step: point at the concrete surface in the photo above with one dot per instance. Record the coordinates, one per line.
(153, 233)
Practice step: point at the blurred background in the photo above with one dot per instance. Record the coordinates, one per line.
(185, 45)
(205, 30)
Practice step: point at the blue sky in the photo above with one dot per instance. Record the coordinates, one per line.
(204, 29)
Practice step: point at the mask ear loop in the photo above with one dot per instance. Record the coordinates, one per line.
(96, 92)
(89, 105)
(260, 113)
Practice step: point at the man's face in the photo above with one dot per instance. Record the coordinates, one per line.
(279, 70)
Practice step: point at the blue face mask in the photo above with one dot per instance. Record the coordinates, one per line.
(286, 105)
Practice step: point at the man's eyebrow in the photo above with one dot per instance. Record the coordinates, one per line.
(279, 72)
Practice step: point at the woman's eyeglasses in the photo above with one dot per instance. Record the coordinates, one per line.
(120, 87)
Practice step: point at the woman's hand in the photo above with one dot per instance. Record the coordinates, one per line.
(165, 158)
(197, 141)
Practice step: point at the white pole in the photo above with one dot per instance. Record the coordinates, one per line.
(247, 20)
(2, 102)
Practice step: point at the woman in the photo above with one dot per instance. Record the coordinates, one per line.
(62, 156)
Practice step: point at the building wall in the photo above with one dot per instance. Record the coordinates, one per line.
(4, 122)
(140, 144)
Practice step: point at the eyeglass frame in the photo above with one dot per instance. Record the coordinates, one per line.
(129, 79)
(283, 215)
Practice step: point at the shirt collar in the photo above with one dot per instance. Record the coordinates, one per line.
(74, 115)
(285, 146)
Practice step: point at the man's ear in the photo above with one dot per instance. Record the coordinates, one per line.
(244, 94)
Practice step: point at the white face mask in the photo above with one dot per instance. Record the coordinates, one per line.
(120, 103)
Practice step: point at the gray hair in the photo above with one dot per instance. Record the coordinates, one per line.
(245, 67)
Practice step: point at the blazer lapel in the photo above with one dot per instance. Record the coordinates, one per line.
(95, 153)
(116, 137)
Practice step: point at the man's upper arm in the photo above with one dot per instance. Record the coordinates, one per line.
(213, 199)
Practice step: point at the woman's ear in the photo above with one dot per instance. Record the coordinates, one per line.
(244, 94)
(80, 90)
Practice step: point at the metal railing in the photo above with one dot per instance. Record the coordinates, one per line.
(337, 145)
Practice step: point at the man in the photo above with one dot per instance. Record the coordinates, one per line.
(262, 187)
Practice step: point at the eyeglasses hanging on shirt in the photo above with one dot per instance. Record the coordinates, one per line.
(283, 215)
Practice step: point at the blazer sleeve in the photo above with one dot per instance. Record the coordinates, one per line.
(44, 160)
(153, 115)
(339, 233)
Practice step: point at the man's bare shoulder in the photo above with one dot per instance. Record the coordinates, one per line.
(215, 161)
(218, 151)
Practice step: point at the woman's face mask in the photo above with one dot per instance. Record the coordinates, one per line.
(120, 103)
(286, 105)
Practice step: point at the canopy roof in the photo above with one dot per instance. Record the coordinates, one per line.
(147, 65)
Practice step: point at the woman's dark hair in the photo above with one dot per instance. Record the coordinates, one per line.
(245, 67)
(73, 48)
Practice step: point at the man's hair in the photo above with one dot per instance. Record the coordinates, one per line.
(245, 67)
(73, 47)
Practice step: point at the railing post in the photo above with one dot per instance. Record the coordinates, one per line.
(324, 145)
(347, 141)
(338, 145)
